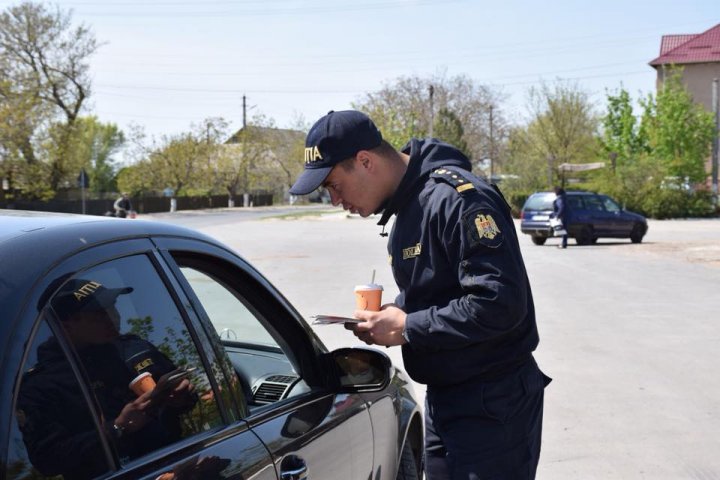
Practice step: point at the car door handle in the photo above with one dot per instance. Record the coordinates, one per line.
(293, 468)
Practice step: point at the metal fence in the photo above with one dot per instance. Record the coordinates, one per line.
(140, 204)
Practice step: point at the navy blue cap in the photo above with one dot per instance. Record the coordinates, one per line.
(335, 137)
(85, 295)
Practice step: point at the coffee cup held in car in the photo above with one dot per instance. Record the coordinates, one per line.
(368, 297)
(142, 383)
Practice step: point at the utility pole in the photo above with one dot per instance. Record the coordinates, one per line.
(431, 90)
(244, 112)
(716, 140)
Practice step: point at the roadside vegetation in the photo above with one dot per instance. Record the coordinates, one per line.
(649, 153)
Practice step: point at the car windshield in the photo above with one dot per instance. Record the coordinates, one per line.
(540, 202)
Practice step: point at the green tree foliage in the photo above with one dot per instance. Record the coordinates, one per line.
(653, 156)
(91, 145)
(43, 72)
(562, 129)
(401, 111)
(679, 131)
(179, 162)
(449, 128)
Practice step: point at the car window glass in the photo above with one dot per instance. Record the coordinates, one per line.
(610, 205)
(122, 323)
(53, 433)
(575, 202)
(230, 317)
(540, 202)
(593, 203)
(257, 353)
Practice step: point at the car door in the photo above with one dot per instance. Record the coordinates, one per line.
(620, 226)
(71, 391)
(308, 428)
(601, 220)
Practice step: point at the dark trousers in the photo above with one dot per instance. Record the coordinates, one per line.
(485, 430)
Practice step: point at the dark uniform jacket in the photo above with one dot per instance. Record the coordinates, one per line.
(58, 431)
(456, 260)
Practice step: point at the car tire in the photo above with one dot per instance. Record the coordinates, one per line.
(408, 468)
(538, 240)
(637, 234)
(585, 235)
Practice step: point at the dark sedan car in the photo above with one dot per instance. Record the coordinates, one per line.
(238, 385)
(589, 216)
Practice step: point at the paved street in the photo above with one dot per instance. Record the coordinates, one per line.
(629, 333)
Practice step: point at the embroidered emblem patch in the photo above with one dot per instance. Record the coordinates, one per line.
(481, 228)
(486, 226)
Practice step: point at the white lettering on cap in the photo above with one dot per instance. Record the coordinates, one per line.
(312, 154)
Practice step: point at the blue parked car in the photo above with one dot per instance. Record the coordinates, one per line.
(589, 216)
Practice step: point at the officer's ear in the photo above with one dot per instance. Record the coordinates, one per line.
(366, 160)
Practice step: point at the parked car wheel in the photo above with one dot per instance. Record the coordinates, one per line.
(538, 240)
(408, 469)
(585, 236)
(637, 233)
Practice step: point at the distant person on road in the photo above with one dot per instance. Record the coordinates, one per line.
(465, 315)
(559, 212)
(122, 206)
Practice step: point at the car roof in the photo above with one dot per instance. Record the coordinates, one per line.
(33, 242)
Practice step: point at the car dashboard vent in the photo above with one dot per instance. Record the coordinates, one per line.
(272, 388)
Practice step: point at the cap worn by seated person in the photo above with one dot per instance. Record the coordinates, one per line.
(335, 137)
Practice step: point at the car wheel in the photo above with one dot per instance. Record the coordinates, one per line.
(636, 235)
(538, 240)
(408, 469)
(585, 236)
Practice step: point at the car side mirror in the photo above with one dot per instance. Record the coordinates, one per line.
(360, 369)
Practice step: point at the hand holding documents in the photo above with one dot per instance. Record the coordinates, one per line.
(331, 319)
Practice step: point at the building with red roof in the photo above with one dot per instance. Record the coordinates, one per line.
(699, 56)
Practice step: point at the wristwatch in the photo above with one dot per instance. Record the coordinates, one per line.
(405, 334)
(118, 431)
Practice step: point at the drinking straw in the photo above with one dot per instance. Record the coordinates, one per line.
(373, 277)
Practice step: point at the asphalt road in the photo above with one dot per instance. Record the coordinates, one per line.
(629, 333)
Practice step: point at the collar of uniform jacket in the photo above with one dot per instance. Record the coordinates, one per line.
(426, 156)
(412, 176)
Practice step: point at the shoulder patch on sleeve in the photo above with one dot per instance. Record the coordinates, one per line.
(454, 178)
(481, 229)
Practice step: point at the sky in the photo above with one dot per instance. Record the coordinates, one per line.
(167, 64)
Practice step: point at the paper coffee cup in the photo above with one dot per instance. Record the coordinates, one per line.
(142, 383)
(368, 297)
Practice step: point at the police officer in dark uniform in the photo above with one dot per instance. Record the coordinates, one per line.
(59, 434)
(465, 315)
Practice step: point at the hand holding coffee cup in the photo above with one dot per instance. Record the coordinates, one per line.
(142, 383)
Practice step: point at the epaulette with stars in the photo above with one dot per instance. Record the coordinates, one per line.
(454, 178)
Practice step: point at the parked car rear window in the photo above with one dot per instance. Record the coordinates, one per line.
(540, 202)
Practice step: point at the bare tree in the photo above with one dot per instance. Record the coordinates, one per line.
(44, 63)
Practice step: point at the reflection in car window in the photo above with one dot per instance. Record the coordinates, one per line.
(540, 202)
(593, 203)
(575, 202)
(120, 322)
(54, 432)
(610, 205)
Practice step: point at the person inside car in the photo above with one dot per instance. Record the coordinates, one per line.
(60, 436)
